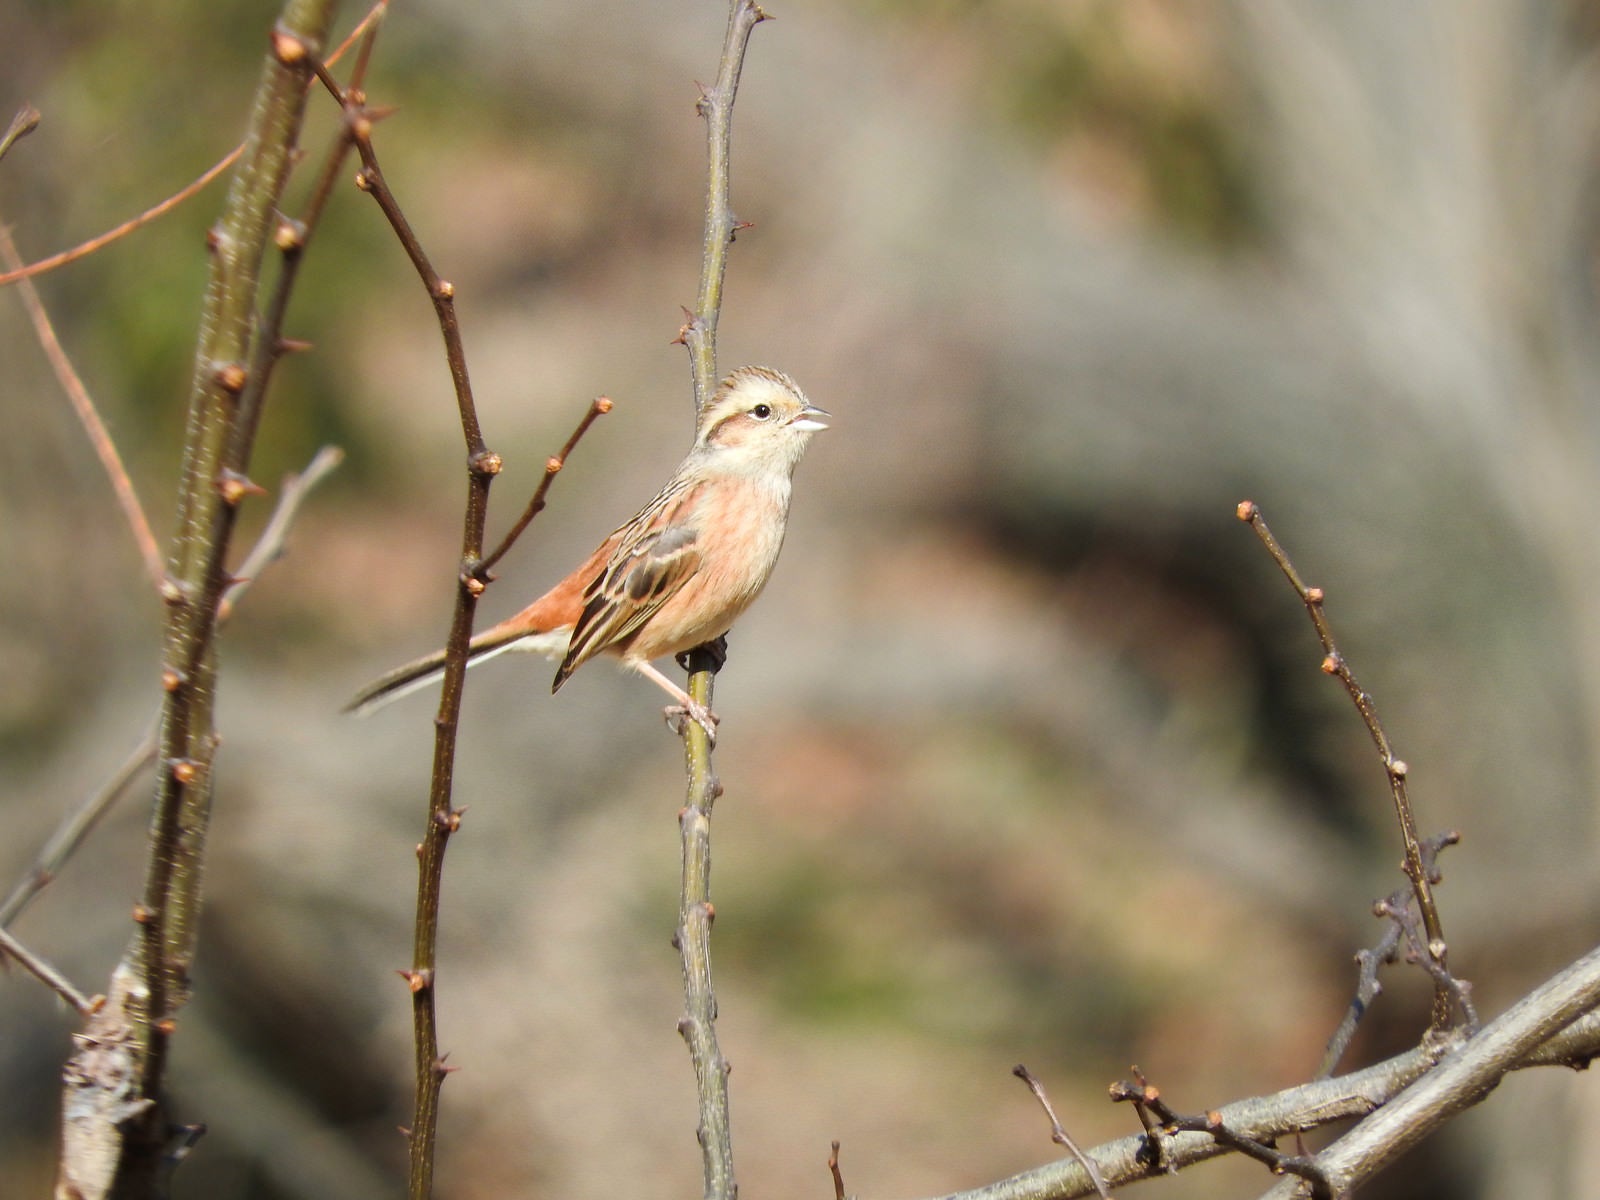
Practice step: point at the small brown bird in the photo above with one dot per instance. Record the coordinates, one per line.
(680, 572)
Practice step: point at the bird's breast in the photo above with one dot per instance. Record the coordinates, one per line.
(739, 527)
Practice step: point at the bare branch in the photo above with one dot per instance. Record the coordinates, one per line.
(1395, 769)
(695, 912)
(47, 975)
(699, 333)
(1569, 1036)
(443, 818)
(113, 1128)
(1463, 1079)
(1399, 908)
(65, 841)
(269, 546)
(1058, 1133)
(84, 249)
(601, 406)
(88, 417)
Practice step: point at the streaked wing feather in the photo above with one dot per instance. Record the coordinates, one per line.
(655, 559)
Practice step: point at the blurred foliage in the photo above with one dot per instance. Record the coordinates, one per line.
(1132, 100)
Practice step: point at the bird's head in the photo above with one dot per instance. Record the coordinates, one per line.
(758, 420)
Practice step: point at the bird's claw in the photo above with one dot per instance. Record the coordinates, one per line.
(677, 714)
(716, 649)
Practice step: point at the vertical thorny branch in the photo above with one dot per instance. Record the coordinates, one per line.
(443, 818)
(695, 911)
(114, 1128)
(472, 578)
(716, 106)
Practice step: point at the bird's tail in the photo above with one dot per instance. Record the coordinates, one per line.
(414, 676)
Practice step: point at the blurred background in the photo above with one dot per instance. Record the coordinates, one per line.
(1026, 751)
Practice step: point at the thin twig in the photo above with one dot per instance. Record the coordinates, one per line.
(24, 122)
(1368, 988)
(1058, 1132)
(48, 975)
(88, 416)
(1154, 1149)
(833, 1169)
(84, 249)
(1400, 925)
(552, 466)
(1145, 1096)
(699, 334)
(69, 835)
(1395, 769)
(269, 547)
(472, 577)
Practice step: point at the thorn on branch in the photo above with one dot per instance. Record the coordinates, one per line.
(231, 378)
(417, 981)
(288, 48)
(684, 330)
(234, 487)
(290, 236)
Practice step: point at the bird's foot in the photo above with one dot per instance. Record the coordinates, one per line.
(716, 648)
(678, 714)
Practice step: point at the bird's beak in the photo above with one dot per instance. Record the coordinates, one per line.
(807, 420)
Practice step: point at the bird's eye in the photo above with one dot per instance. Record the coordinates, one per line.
(761, 412)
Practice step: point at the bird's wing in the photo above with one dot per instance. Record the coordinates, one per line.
(655, 556)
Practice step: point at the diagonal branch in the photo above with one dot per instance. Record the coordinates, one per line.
(1463, 1079)
(88, 416)
(1395, 769)
(100, 241)
(1555, 1025)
